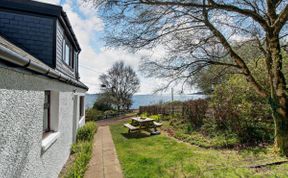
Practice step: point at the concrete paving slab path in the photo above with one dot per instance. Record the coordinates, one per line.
(104, 162)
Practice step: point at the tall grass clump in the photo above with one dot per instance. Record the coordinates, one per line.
(82, 151)
(86, 132)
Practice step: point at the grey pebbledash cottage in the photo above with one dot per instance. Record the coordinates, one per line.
(41, 96)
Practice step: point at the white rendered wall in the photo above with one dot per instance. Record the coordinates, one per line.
(21, 119)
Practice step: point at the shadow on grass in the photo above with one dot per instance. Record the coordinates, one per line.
(136, 135)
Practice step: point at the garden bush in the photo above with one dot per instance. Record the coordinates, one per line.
(111, 113)
(144, 115)
(82, 151)
(194, 112)
(238, 109)
(93, 114)
(156, 117)
(86, 132)
(102, 104)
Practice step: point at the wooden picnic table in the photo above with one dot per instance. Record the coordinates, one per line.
(146, 124)
(142, 121)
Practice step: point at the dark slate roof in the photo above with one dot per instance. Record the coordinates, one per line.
(23, 54)
(42, 9)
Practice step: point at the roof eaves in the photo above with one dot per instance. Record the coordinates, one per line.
(29, 62)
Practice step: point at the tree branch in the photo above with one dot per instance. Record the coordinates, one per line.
(238, 60)
(281, 20)
(212, 5)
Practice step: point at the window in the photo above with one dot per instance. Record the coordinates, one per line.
(51, 111)
(63, 49)
(50, 119)
(46, 119)
(81, 106)
(67, 53)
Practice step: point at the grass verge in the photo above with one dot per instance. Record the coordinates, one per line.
(81, 152)
(161, 156)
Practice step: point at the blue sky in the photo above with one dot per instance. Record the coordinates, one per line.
(95, 59)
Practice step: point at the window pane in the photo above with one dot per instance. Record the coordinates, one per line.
(81, 106)
(67, 54)
(45, 120)
(46, 116)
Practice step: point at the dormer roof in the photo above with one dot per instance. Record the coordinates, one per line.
(40, 8)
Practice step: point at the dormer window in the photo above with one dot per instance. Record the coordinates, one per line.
(67, 53)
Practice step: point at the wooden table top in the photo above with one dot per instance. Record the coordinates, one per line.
(138, 119)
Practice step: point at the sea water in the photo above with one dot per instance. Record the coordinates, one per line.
(145, 100)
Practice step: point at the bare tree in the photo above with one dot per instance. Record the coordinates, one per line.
(119, 85)
(200, 33)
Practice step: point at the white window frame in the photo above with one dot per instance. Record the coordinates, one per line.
(67, 58)
(68, 61)
(54, 133)
(81, 120)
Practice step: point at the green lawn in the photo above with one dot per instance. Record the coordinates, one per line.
(161, 156)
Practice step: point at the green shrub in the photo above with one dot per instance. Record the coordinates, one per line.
(93, 114)
(144, 115)
(83, 153)
(194, 112)
(86, 132)
(102, 105)
(171, 117)
(156, 117)
(111, 112)
(239, 110)
(189, 128)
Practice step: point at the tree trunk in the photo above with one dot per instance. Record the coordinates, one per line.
(279, 98)
(281, 128)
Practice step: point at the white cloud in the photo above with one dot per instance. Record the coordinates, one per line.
(86, 23)
(92, 63)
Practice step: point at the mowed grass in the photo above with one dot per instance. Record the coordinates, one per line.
(161, 156)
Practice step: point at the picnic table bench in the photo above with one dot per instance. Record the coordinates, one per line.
(146, 124)
(131, 128)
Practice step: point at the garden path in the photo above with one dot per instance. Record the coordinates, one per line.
(104, 162)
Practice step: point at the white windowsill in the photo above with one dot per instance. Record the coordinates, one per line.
(49, 140)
